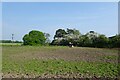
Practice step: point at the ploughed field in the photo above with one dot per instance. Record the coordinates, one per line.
(58, 62)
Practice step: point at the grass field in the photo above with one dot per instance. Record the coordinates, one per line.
(58, 61)
(10, 44)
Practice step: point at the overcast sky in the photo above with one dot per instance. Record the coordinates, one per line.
(20, 18)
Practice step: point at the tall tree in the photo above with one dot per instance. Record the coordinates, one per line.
(63, 37)
(73, 33)
(114, 41)
(60, 33)
(101, 41)
(47, 35)
(92, 34)
(34, 38)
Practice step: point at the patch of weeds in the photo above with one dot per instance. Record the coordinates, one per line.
(60, 67)
(110, 57)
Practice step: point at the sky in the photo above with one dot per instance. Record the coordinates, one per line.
(0, 20)
(60, 0)
(19, 18)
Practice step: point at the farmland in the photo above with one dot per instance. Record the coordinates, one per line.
(58, 62)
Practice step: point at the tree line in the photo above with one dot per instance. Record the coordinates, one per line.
(9, 41)
(65, 37)
(90, 39)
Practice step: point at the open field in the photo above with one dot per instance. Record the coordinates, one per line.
(58, 61)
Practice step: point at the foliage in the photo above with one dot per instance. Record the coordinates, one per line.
(114, 41)
(55, 67)
(101, 41)
(90, 39)
(92, 34)
(60, 33)
(47, 35)
(9, 41)
(72, 34)
(63, 37)
(34, 38)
